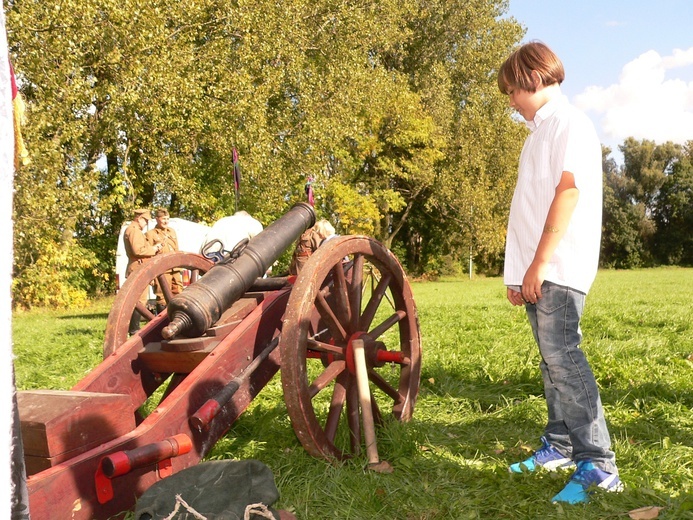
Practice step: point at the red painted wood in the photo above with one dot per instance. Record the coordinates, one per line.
(58, 425)
(68, 490)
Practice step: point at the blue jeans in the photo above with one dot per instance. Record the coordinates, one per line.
(576, 425)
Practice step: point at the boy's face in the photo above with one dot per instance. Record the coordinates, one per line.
(162, 221)
(526, 103)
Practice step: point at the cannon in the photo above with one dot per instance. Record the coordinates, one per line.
(92, 450)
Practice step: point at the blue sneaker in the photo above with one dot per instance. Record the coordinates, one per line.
(546, 457)
(586, 477)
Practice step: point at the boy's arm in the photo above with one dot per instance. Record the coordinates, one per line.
(557, 220)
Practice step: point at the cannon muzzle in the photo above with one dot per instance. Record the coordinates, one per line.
(196, 309)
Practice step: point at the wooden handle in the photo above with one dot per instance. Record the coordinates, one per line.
(365, 400)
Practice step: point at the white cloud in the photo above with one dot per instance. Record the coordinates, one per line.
(651, 100)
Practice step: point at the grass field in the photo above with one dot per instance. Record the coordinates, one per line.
(480, 406)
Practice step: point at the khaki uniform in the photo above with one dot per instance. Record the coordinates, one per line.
(310, 240)
(169, 240)
(138, 249)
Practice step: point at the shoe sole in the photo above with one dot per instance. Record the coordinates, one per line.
(554, 465)
(606, 484)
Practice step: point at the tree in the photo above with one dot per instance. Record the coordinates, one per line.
(647, 168)
(391, 107)
(648, 164)
(647, 204)
(626, 227)
(450, 61)
(673, 213)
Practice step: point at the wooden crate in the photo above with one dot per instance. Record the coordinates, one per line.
(57, 425)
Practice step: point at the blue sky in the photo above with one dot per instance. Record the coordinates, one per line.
(629, 63)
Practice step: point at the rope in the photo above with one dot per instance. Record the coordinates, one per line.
(179, 502)
(259, 509)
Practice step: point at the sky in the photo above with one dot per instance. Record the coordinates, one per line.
(628, 63)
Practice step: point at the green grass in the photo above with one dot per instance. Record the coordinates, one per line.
(480, 406)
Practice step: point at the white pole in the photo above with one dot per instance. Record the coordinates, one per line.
(471, 239)
(470, 261)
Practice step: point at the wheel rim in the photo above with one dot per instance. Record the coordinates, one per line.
(128, 298)
(332, 303)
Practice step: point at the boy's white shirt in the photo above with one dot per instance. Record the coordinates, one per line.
(562, 139)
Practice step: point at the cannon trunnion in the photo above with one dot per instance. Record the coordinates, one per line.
(217, 345)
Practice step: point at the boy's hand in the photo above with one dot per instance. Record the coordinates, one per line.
(515, 297)
(531, 284)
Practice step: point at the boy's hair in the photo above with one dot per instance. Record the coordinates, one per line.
(516, 71)
(161, 212)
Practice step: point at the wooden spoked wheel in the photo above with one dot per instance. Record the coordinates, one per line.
(351, 288)
(128, 298)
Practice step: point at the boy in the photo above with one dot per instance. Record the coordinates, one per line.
(551, 259)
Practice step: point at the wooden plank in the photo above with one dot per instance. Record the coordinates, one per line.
(158, 360)
(222, 330)
(240, 308)
(54, 422)
(35, 464)
(187, 344)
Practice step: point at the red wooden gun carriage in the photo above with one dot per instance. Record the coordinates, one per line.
(91, 451)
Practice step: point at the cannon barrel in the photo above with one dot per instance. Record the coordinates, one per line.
(196, 309)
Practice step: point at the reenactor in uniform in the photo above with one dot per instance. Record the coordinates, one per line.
(138, 249)
(165, 236)
(309, 241)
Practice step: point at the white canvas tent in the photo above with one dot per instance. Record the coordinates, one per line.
(192, 237)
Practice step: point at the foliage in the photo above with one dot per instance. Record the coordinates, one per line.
(647, 205)
(622, 243)
(673, 213)
(480, 406)
(391, 107)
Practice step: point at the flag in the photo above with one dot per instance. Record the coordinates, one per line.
(236, 171)
(309, 191)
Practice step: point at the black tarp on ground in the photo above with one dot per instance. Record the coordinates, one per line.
(220, 489)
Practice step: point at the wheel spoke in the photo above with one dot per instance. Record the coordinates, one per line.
(353, 417)
(355, 293)
(377, 416)
(324, 379)
(340, 294)
(393, 320)
(336, 407)
(374, 302)
(333, 323)
(142, 309)
(378, 380)
(320, 346)
(165, 287)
